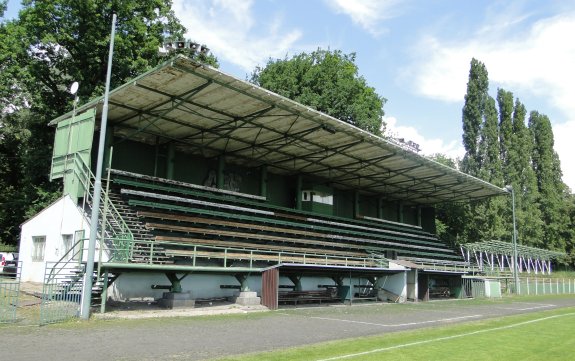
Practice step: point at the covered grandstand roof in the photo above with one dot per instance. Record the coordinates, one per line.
(209, 113)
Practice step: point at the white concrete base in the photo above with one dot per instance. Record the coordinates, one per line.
(172, 300)
(247, 299)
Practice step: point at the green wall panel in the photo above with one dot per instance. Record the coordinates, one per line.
(281, 190)
(390, 211)
(428, 219)
(343, 203)
(136, 157)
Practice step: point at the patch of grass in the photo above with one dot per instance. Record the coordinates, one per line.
(535, 336)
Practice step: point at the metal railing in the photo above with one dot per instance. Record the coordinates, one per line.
(62, 292)
(539, 286)
(442, 265)
(113, 230)
(154, 252)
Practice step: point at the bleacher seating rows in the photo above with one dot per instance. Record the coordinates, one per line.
(177, 213)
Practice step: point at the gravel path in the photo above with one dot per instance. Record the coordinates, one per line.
(201, 338)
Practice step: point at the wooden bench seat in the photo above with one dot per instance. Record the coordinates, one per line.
(292, 232)
(319, 296)
(254, 255)
(257, 246)
(251, 200)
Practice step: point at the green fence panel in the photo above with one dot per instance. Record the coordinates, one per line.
(62, 292)
(9, 293)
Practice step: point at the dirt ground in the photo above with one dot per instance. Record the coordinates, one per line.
(145, 332)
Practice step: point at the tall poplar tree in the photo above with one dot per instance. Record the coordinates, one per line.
(553, 191)
(473, 114)
(522, 177)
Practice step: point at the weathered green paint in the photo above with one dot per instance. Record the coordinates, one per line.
(243, 280)
(104, 295)
(72, 147)
(125, 151)
(109, 142)
(175, 281)
(296, 280)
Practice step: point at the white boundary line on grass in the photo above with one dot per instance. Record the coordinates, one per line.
(525, 309)
(397, 324)
(445, 338)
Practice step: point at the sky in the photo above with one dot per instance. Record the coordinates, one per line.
(415, 53)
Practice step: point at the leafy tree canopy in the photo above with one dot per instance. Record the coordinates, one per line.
(327, 81)
(51, 44)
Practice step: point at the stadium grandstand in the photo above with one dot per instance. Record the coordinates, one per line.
(217, 188)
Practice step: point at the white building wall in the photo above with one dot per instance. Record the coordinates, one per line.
(60, 218)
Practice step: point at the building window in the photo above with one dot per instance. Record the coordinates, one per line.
(39, 244)
(68, 242)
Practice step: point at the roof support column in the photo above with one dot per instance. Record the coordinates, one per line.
(264, 180)
(400, 212)
(419, 216)
(380, 207)
(298, 189)
(108, 142)
(220, 176)
(170, 161)
(355, 204)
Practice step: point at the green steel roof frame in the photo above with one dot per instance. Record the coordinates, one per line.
(505, 248)
(205, 111)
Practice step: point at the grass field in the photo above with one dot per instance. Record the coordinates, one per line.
(548, 335)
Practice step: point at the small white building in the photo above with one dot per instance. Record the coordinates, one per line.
(49, 235)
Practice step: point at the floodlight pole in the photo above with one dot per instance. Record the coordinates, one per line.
(87, 289)
(509, 189)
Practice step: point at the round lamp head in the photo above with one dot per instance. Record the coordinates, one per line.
(74, 87)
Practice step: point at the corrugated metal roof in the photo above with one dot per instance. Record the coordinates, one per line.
(207, 112)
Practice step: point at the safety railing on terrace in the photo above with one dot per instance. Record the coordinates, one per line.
(113, 229)
(442, 265)
(153, 252)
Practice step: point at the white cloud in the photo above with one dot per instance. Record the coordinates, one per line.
(232, 32)
(428, 147)
(367, 13)
(564, 134)
(538, 62)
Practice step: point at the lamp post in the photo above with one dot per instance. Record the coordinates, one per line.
(509, 189)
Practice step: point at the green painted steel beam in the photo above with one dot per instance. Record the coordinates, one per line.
(177, 268)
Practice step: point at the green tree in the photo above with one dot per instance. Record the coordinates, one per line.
(51, 44)
(450, 218)
(520, 174)
(473, 114)
(327, 81)
(554, 201)
(505, 103)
